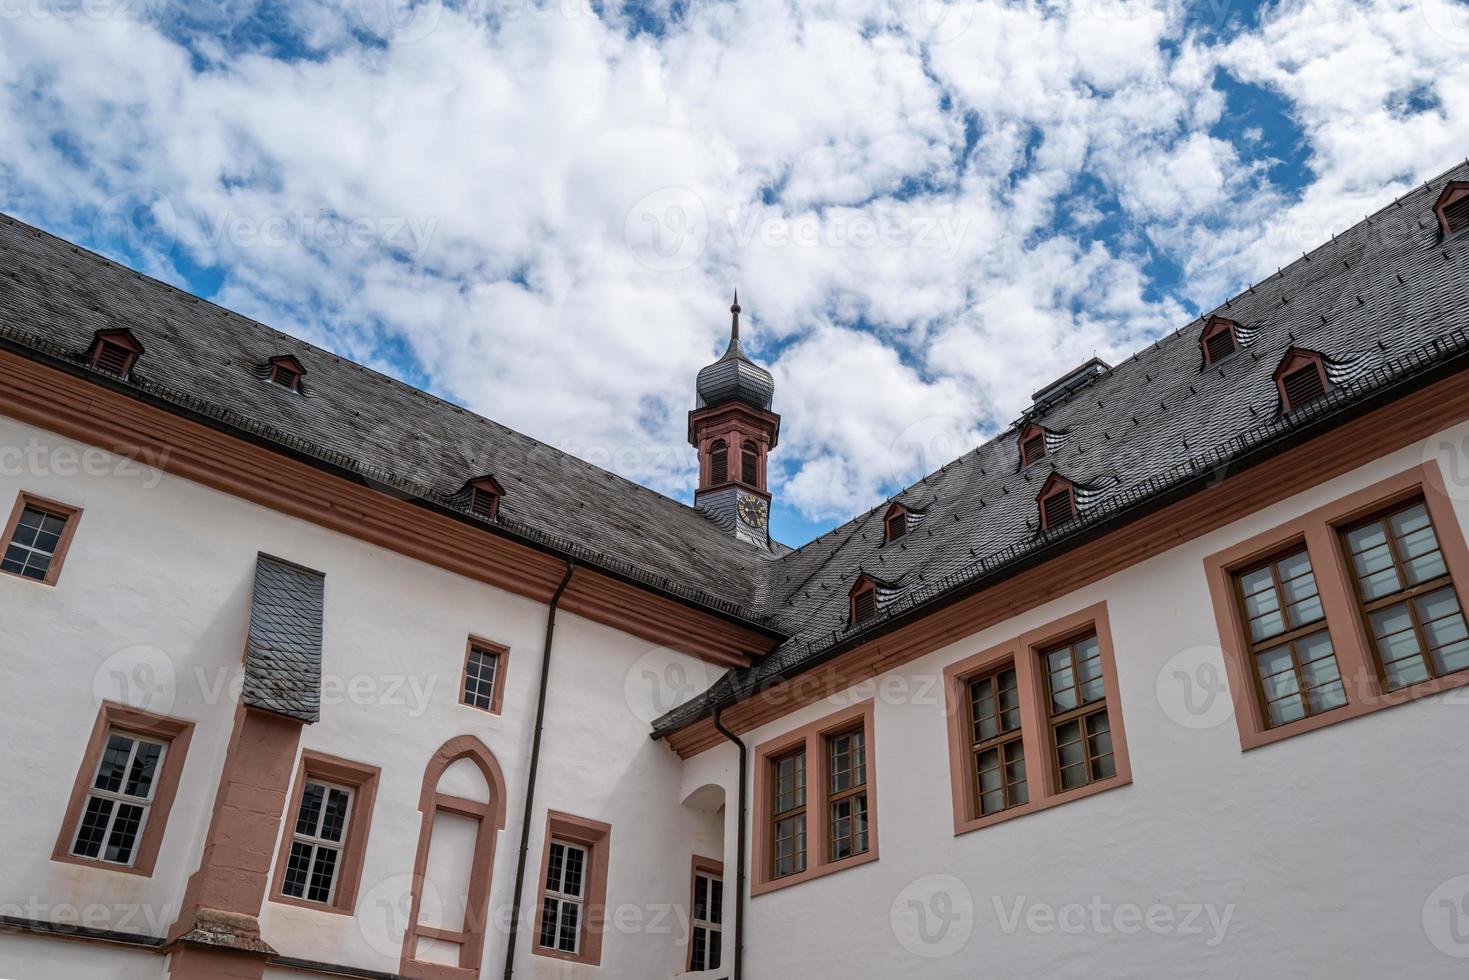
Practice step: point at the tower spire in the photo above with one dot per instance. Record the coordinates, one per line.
(734, 325)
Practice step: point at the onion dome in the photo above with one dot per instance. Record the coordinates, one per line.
(734, 377)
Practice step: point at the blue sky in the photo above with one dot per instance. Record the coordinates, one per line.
(538, 208)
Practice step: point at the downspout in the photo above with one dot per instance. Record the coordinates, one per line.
(535, 764)
(739, 929)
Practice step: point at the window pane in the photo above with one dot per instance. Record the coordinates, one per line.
(94, 827)
(716, 901)
(334, 820)
(322, 872)
(479, 678)
(575, 865)
(570, 916)
(114, 762)
(124, 833)
(298, 870)
(549, 908)
(554, 864)
(145, 765)
(310, 814)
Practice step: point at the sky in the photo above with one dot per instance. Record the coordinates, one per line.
(539, 208)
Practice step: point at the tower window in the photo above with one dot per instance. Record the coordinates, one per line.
(718, 462)
(750, 465)
(1301, 378)
(115, 351)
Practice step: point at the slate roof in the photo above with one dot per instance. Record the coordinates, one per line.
(283, 652)
(1381, 301)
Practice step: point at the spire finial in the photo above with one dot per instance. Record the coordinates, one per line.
(734, 326)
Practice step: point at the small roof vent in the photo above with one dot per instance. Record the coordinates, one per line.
(1452, 208)
(484, 496)
(114, 351)
(1069, 382)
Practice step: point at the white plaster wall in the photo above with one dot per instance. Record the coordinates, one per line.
(28, 957)
(160, 573)
(1323, 849)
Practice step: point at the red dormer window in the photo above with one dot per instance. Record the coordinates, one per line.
(1452, 208)
(1301, 378)
(115, 351)
(864, 600)
(1219, 339)
(287, 372)
(1032, 444)
(484, 497)
(1057, 502)
(895, 523)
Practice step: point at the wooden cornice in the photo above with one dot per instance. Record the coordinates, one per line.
(1399, 423)
(78, 409)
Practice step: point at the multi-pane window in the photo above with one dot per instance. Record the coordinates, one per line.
(564, 898)
(479, 677)
(314, 864)
(788, 814)
(1077, 701)
(33, 544)
(846, 791)
(706, 941)
(996, 749)
(1407, 597)
(119, 799)
(1290, 648)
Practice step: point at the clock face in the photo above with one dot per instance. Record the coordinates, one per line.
(753, 510)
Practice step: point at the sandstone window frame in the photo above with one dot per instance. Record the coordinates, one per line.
(595, 838)
(1043, 778)
(69, 515)
(174, 734)
(501, 654)
(711, 923)
(812, 739)
(331, 771)
(1322, 530)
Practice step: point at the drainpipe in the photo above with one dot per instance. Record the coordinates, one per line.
(739, 929)
(535, 764)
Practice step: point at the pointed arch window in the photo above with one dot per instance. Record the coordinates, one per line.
(463, 807)
(1219, 339)
(750, 464)
(1301, 378)
(114, 351)
(1057, 502)
(484, 496)
(718, 462)
(863, 600)
(895, 523)
(1452, 208)
(1032, 444)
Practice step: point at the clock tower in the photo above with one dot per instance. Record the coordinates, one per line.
(733, 429)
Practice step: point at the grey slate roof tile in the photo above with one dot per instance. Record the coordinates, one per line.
(283, 652)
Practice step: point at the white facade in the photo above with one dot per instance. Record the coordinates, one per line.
(1325, 855)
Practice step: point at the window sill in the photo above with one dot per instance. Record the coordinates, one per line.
(1036, 806)
(585, 959)
(820, 871)
(96, 865)
(1371, 701)
(302, 903)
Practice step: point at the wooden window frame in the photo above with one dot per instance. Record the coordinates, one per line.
(708, 868)
(1357, 662)
(121, 338)
(1216, 326)
(830, 798)
(1299, 359)
(1000, 741)
(1454, 192)
(66, 512)
(812, 738)
(175, 733)
(502, 663)
(1055, 486)
(1025, 441)
(1024, 652)
(596, 838)
(896, 516)
(362, 780)
(865, 585)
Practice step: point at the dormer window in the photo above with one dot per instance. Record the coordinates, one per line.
(287, 372)
(484, 497)
(1057, 502)
(1301, 378)
(1452, 208)
(895, 523)
(864, 600)
(1032, 444)
(1219, 339)
(115, 351)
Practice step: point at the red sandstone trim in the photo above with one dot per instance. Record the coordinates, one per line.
(596, 837)
(72, 516)
(362, 780)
